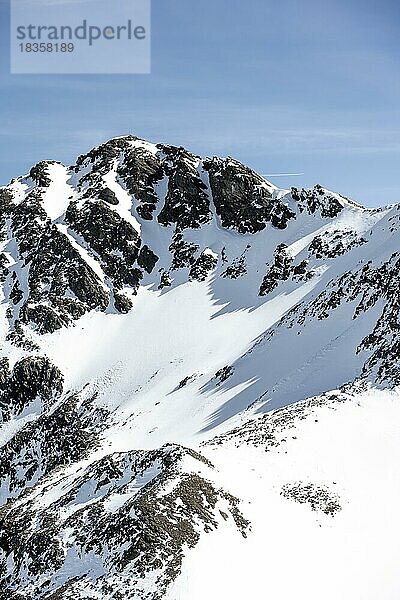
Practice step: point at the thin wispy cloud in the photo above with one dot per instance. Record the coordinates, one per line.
(54, 2)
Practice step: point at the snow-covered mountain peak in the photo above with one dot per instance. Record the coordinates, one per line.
(188, 354)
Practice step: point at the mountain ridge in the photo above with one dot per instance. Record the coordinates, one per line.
(168, 323)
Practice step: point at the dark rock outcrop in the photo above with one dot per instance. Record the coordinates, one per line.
(32, 378)
(203, 266)
(147, 260)
(318, 200)
(113, 239)
(242, 199)
(186, 204)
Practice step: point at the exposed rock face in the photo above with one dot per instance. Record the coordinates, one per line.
(113, 239)
(53, 283)
(62, 285)
(202, 267)
(90, 168)
(282, 269)
(183, 252)
(39, 174)
(141, 171)
(242, 198)
(224, 374)
(31, 378)
(238, 266)
(236, 269)
(108, 196)
(279, 271)
(56, 439)
(317, 199)
(147, 260)
(165, 280)
(186, 204)
(41, 541)
(334, 243)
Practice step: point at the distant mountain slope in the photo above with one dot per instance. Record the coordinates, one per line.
(195, 364)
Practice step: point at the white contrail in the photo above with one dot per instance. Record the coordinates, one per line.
(282, 174)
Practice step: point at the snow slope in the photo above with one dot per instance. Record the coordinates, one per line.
(292, 550)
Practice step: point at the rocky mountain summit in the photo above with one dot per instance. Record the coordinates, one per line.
(198, 371)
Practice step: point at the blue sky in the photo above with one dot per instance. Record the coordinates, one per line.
(287, 86)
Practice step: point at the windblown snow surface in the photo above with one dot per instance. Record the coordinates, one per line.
(249, 416)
